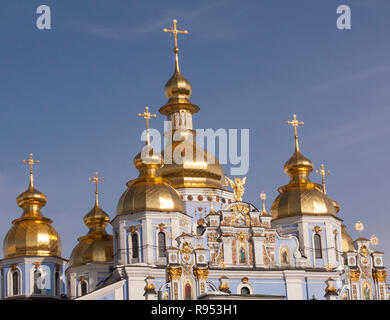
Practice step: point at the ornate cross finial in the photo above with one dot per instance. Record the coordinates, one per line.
(30, 161)
(323, 172)
(147, 116)
(295, 123)
(263, 197)
(96, 180)
(175, 32)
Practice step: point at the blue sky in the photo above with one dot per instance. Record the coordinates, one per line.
(71, 95)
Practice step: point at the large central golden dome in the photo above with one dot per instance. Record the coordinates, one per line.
(32, 234)
(149, 192)
(197, 168)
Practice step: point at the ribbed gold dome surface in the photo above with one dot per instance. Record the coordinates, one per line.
(346, 240)
(96, 246)
(301, 196)
(32, 234)
(149, 192)
(195, 172)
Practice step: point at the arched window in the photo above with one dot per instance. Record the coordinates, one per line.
(336, 247)
(187, 291)
(245, 290)
(15, 283)
(161, 245)
(83, 287)
(317, 246)
(57, 283)
(37, 282)
(134, 243)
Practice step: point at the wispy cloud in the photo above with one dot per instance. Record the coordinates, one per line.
(131, 32)
(353, 133)
(362, 75)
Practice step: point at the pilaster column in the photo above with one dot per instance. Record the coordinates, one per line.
(294, 284)
(201, 275)
(174, 275)
(355, 277)
(227, 250)
(379, 277)
(258, 242)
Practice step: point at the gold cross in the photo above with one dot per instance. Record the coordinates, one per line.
(30, 161)
(295, 123)
(175, 32)
(147, 115)
(96, 180)
(323, 172)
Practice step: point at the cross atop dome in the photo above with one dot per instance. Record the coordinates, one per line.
(96, 180)
(175, 32)
(295, 123)
(147, 116)
(323, 173)
(30, 161)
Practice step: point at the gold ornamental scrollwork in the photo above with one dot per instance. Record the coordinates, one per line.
(201, 274)
(364, 250)
(379, 275)
(240, 208)
(174, 273)
(317, 229)
(355, 275)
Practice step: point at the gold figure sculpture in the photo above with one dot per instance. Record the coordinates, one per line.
(238, 187)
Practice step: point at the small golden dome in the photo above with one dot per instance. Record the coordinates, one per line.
(346, 240)
(32, 234)
(178, 88)
(301, 196)
(96, 246)
(149, 192)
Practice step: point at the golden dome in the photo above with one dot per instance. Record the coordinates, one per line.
(32, 234)
(193, 173)
(346, 240)
(301, 196)
(149, 192)
(178, 89)
(96, 246)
